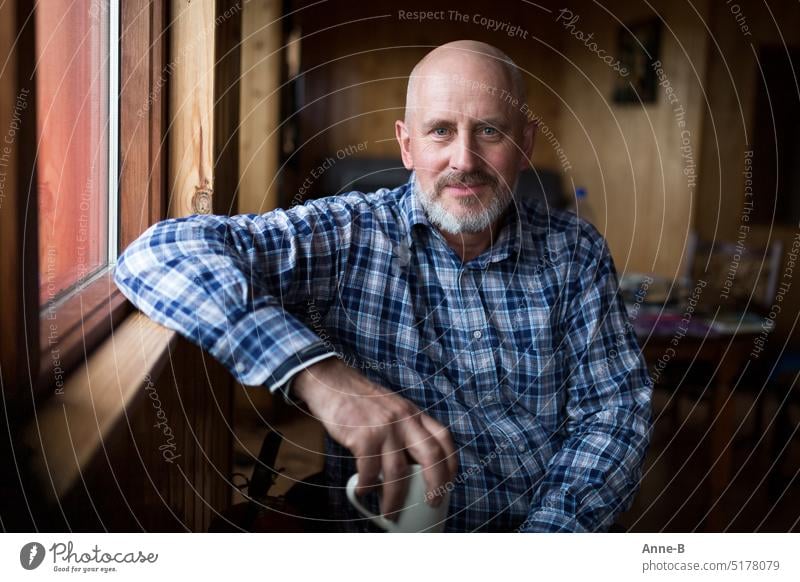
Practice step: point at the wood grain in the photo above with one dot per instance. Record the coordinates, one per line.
(629, 156)
(227, 70)
(19, 265)
(92, 455)
(70, 430)
(191, 102)
(260, 106)
(143, 85)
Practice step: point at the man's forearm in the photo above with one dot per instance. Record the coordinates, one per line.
(585, 492)
(201, 277)
(289, 388)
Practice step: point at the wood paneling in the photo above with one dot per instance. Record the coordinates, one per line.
(732, 80)
(71, 429)
(629, 156)
(191, 101)
(97, 457)
(127, 455)
(203, 71)
(227, 70)
(260, 139)
(19, 265)
(19, 285)
(733, 74)
(355, 62)
(143, 85)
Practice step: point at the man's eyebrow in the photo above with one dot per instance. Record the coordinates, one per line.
(436, 122)
(497, 122)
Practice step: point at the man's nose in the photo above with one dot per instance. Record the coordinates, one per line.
(464, 157)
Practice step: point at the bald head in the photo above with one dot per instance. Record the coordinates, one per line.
(474, 62)
(465, 136)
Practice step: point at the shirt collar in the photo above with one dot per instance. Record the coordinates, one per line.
(506, 245)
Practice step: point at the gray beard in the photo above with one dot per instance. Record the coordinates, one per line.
(478, 220)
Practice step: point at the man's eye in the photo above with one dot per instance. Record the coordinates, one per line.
(441, 131)
(489, 131)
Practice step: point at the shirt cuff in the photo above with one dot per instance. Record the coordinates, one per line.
(283, 378)
(551, 521)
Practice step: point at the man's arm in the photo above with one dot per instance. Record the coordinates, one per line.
(230, 285)
(597, 471)
(381, 429)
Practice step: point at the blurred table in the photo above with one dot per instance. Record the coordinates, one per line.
(726, 352)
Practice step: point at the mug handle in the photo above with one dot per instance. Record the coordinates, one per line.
(378, 519)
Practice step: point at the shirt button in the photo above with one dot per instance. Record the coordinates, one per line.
(240, 367)
(521, 448)
(477, 334)
(490, 398)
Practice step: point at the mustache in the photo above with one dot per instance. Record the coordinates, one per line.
(465, 179)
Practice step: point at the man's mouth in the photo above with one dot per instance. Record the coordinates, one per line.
(464, 189)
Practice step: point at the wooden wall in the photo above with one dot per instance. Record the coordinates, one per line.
(166, 466)
(653, 173)
(733, 75)
(203, 77)
(732, 81)
(262, 68)
(124, 447)
(629, 156)
(19, 284)
(356, 59)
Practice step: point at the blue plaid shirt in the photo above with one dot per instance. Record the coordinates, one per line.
(525, 353)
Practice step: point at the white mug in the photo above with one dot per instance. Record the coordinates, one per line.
(415, 515)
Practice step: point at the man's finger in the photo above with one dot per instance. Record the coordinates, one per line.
(426, 450)
(369, 466)
(441, 434)
(395, 481)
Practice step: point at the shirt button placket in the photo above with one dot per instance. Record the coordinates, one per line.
(467, 292)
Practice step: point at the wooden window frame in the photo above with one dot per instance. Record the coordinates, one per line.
(109, 351)
(19, 259)
(34, 362)
(72, 327)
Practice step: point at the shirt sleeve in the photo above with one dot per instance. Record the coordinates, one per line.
(596, 473)
(243, 287)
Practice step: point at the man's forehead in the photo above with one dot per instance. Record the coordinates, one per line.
(482, 80)
(450, 84)
(430, 118)
(451, 99)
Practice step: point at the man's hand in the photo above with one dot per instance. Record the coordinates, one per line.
(380, 428)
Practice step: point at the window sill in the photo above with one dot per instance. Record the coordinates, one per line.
(75, 325)
(73, 425)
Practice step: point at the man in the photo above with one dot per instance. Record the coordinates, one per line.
(479, 335)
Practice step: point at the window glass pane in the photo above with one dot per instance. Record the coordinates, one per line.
(72, 157)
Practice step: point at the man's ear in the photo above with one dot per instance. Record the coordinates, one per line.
(528, 135)
(404, 139)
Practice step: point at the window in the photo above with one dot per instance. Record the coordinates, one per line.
(100, 176)
(76, 76)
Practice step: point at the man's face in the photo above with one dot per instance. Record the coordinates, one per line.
(466, 144)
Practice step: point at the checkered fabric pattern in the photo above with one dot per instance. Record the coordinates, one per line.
(525, 353)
